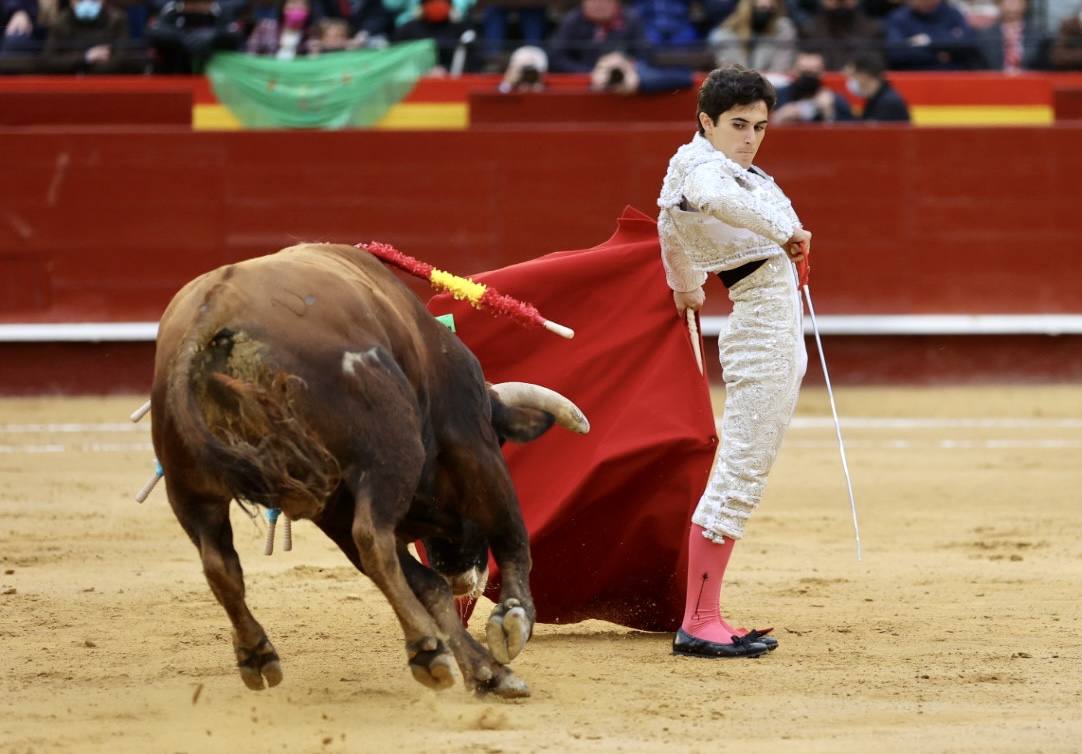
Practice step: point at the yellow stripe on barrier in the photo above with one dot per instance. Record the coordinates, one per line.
(214, 118)
(431, 115)
(455, 116)
(407, 115)
(982, 115)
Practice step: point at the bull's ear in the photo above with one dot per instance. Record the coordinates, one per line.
(518, 423)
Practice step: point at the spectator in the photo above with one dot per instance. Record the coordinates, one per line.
(666, 23)
(294, 25)
(331, 35)
(615, 73)
(453, 38)
(368, 21)
(263, 39)
(930, 35)
(526, 70)
(22, 34)
(90, 37)
(1067, 49)
(805, 99)
(864, 78)
(592, 31)
(25, 25)
(840, 29)
(404, 11)
(532, 21)
(757, 35)
(1011, 44)
(979, 14)
(187, 32)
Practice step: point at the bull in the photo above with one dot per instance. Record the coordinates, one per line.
(313, 381)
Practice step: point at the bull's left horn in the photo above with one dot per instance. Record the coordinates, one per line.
(567, 413)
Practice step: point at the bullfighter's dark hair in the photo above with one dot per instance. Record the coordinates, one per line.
(732, 85)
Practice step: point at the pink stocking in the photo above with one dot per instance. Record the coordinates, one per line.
(707, 561)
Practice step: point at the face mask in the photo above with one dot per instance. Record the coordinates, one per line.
(853, 87)
(760, 19)
(86, 10)
(295, 17)
(436, 11)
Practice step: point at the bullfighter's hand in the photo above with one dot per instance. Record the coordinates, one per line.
(685, 300)
(798, 245)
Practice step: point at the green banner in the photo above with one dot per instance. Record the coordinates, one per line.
(333, 90)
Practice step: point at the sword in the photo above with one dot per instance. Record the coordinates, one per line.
(803, 269)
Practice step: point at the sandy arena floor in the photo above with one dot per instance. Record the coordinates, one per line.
(959, 631)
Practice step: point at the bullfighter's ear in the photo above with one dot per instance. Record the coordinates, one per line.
(519, 423)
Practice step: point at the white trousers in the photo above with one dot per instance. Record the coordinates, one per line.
(763, 360)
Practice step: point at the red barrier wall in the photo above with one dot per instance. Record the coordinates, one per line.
(582, 107)
(106, 226)
(96, 107)
(1067, 103)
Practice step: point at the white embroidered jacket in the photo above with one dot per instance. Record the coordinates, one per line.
(732, 216)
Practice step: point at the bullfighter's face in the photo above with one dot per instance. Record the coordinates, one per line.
(738, 132)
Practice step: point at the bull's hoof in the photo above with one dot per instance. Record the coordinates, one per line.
(505, 685)
(260, 667)
(508, 631)
(431, 663)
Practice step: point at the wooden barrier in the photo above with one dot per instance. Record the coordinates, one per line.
(96, 108)
(105, 225)
(582, 107)
(1067, 103)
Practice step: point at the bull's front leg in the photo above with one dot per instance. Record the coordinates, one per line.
(511, 623)
(480, 671)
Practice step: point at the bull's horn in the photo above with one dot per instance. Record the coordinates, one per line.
(567, 413)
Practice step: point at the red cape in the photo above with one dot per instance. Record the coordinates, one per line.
(608, 513)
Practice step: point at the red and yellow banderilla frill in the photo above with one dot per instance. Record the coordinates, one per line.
(479, 295)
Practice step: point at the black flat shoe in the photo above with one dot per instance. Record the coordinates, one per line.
(686, 644)
(762, 638)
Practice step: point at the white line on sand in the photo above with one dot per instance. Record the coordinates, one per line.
(86, 447)
(897, 444)
(72, 428)
(976, 422)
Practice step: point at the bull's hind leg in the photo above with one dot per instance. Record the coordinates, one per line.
(480, 671)
(206, 521)
(375, 515)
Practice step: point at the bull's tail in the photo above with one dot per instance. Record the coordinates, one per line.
(240, 421)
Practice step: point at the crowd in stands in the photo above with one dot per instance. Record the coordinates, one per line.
(626, 46)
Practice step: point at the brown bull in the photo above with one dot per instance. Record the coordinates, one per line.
(313, 381)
